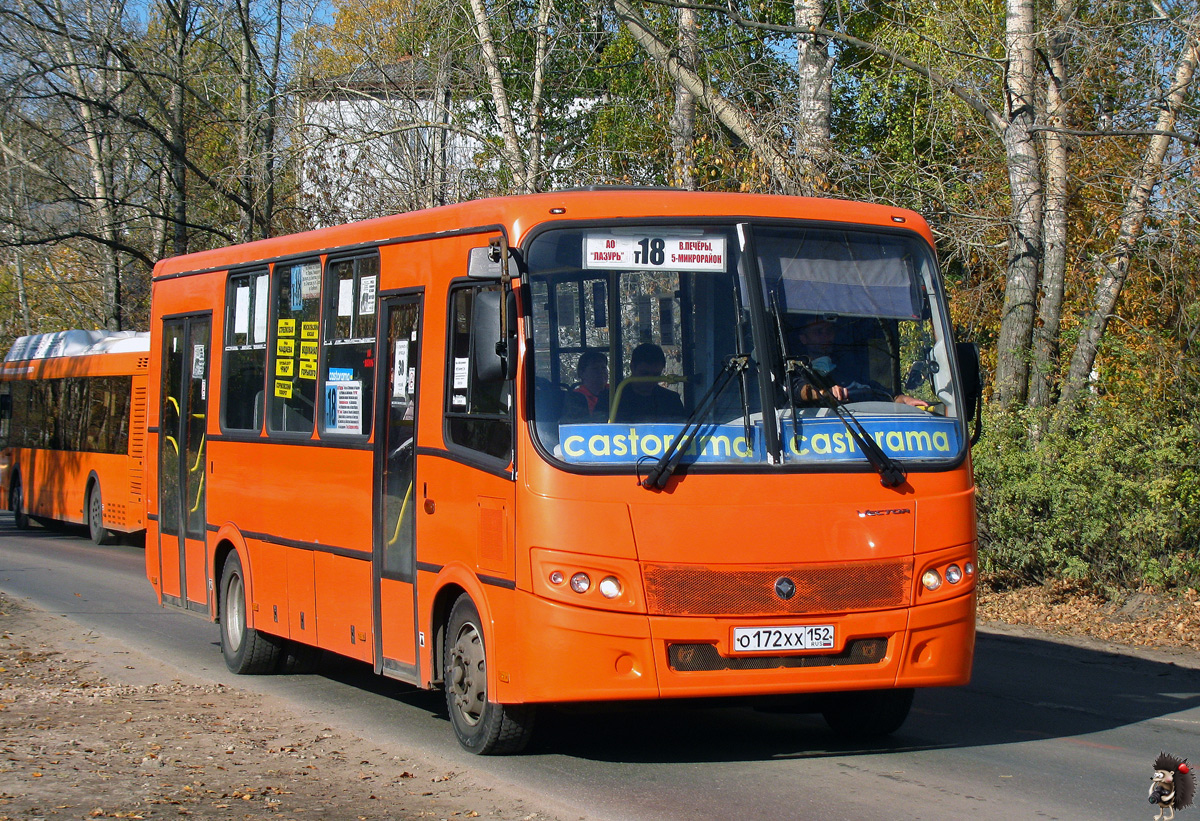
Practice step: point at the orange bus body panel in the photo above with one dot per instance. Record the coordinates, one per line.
(303, 514)
(56, 482)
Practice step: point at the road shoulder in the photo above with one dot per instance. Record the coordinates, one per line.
(91, 729)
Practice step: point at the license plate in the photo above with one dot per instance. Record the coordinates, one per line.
(774, 639)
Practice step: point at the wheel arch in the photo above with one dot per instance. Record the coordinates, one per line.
(443, 601)
(228, 541)
(454, 581)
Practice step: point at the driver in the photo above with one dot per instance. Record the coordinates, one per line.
(817, 338)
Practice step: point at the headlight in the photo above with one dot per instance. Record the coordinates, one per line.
(610, 587)
(581, 582)
(953, 574)
(931, 579)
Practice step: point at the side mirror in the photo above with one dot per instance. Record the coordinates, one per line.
(493, 351)
(971, 379)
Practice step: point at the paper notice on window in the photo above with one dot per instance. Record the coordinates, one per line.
(400, 371)
(310, 280)
(366, 296)
(198, 362)
(343, 410)
(241, 310)
(462, 370)
(346, 297)
(260, 309)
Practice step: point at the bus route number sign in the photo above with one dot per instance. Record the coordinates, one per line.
(782, 639)
(668, 253)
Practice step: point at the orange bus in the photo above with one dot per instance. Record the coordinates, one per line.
(72, 430)
(377, 440)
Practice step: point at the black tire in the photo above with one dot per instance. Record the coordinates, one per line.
(869, 713)
(483, 727)
(16, 502)
(100, 534)
(246, 651)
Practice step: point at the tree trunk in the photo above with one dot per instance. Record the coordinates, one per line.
(1025, 241)
(683, 118)
(732, 117)
(246, 129)
(533, 156)
(1114, 266)
(177, 13)
(1044, 373)
(813, 95)
(511, 151)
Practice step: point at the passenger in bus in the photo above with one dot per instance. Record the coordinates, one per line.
(817, 339)
(645, 400)
(589, 398)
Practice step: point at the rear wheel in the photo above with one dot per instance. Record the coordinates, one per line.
(869, 713)
(482, 726)
(95, 507)
(246, 650)
(16, 501)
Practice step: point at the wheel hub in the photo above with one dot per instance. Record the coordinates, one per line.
(467, 676)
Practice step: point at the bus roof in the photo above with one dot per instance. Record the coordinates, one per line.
(518, 214)
(76, 343)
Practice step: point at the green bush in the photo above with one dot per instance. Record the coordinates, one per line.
(1108, 500)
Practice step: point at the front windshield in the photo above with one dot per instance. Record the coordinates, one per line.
(638, 330)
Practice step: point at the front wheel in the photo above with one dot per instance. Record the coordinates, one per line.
(96, 529)
(483, 727)
(246, 650)
(869, 713)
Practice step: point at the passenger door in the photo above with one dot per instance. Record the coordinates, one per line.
(394, 577)
(183, 420)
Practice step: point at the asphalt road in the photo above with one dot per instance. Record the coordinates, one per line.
(1045, 730)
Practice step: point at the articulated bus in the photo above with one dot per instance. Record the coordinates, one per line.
(375, 439)
(72, 430)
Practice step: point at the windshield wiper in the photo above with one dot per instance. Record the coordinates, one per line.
(665, 467)
(889, 470)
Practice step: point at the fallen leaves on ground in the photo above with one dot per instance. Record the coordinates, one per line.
(1140, 618)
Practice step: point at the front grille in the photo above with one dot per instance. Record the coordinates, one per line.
(697, 590)
(691, 658)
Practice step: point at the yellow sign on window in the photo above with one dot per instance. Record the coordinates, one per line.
(287, 327)
(285, 367)
(308, 330)
(283, 389)
(285, 347)
(308, 350)
(308, 369)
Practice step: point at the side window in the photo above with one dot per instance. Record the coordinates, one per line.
(107, 414)
(247, 302)
(478, 414)
(293, 371)
(349, 380)
(6, 408)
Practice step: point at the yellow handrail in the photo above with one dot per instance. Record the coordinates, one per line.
(615, 402)
(400, 518)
